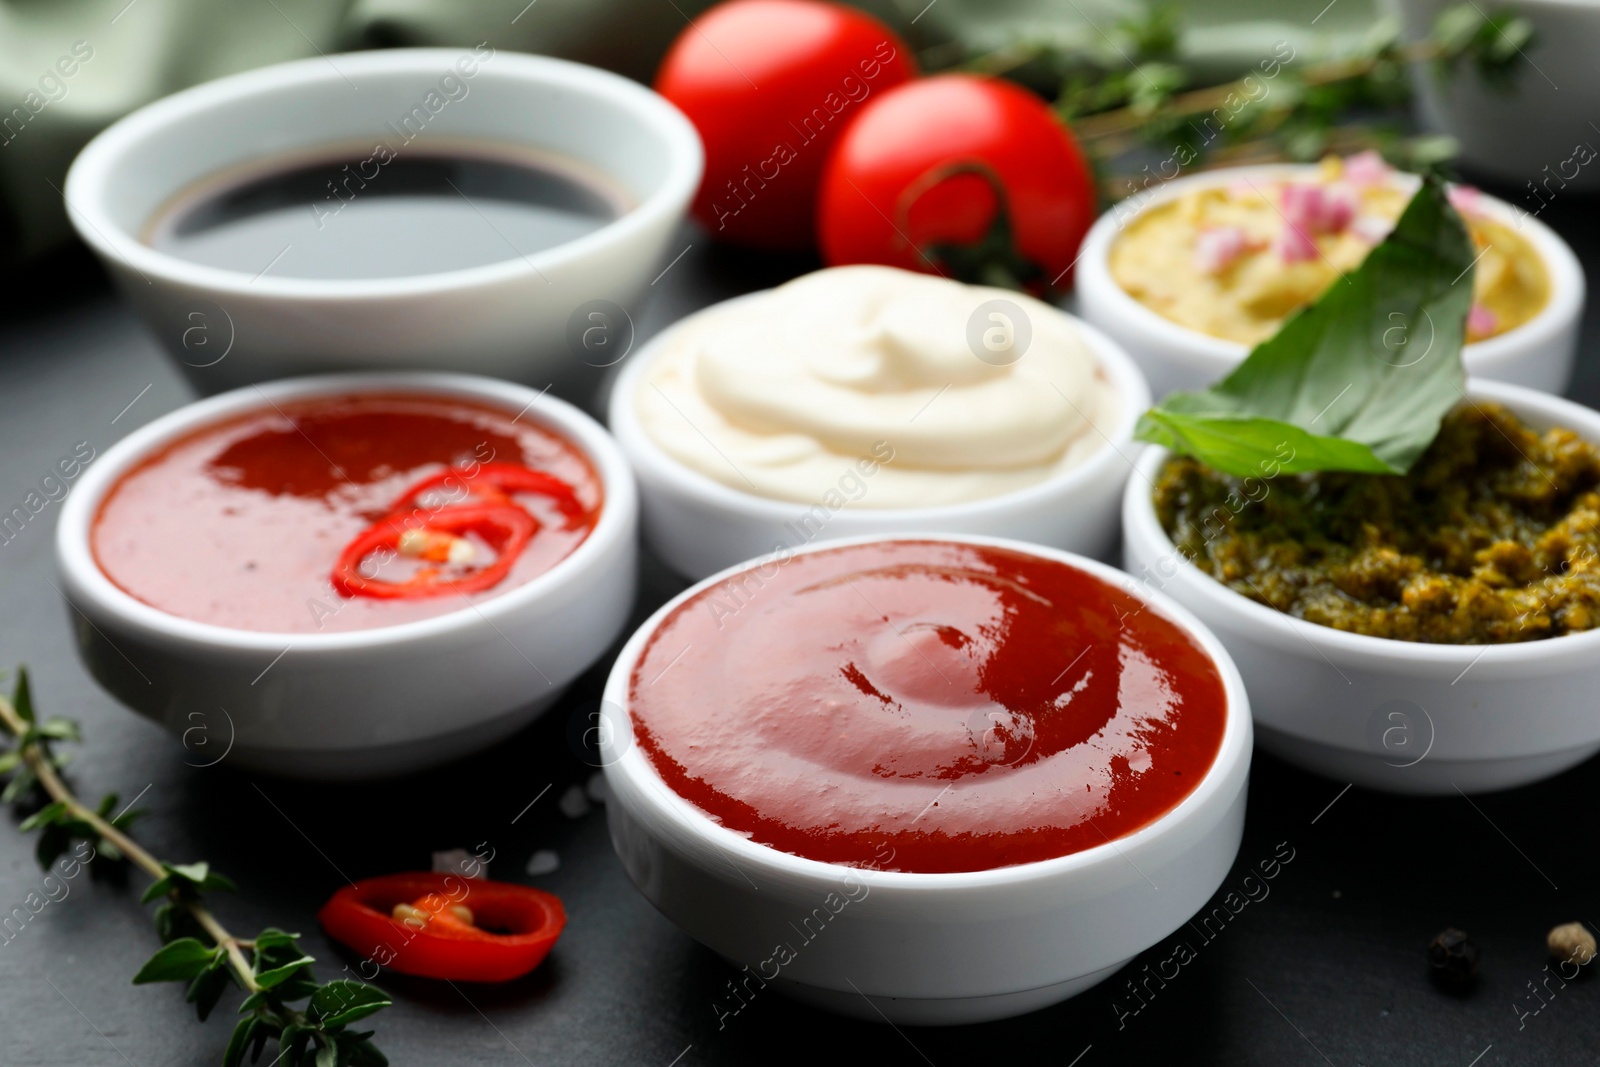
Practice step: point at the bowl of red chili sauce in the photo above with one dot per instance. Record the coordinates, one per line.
(351, 575)
(935, 779)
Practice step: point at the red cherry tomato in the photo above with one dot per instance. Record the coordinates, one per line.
(770, 84)
(931, 169)
(511, 927)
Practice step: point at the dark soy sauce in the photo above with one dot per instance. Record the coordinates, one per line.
(351, 216)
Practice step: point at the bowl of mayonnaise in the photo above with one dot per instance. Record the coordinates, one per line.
(865, 400)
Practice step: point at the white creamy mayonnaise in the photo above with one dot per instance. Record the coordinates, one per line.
(787, 393)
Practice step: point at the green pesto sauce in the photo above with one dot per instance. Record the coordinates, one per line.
(1493, 536)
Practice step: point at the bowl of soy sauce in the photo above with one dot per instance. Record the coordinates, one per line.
(440, 209)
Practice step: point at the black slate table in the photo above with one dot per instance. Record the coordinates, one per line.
(1324, 964)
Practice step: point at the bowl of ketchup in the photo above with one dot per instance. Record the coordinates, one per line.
(349, 576)
(934, 779)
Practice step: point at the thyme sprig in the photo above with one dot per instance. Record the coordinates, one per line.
(1135, 91)
(271, 969)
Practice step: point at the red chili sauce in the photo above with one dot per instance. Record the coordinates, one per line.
(926, 706)
(243, 523)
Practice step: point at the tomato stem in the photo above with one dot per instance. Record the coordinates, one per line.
(993, 259)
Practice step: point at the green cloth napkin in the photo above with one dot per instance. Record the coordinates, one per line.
(68, 68)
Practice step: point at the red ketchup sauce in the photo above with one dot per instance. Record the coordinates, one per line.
(242, 523)
(926, 706)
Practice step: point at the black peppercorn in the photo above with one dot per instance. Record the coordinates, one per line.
(1453, 956)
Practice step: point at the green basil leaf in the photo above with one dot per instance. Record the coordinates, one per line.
(179, 961)
(328, 1055)
(1358, 381)
(9, 760)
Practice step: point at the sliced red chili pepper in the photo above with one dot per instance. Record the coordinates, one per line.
(512, 930)
(505, 527)
(496, 483)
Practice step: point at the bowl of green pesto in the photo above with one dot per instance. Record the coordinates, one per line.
(1425, 632)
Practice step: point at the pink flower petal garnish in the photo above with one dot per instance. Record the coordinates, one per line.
(1481, 321)
(1215, 248)
(1338, 208)
(1319, 208)
(1466, 199)
(1302, 204)
(1366, 168)
(1295, 245)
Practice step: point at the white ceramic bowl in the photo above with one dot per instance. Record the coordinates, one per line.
(507, 319)
(365, 702)
(1538, 354)
(1533, 137)
(700, 526)
(929, 949)
(1400, 716)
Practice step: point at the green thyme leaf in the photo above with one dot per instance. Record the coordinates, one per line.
(240, 1041)
(44, 816)
(297, 988)
(359, 1052)
(194, 943)
(208, 986)
(193, 873)
(179, 961)
(292, 1041)
(52, 843)
(1493, 42)
(278, 975)
(187, 880)
(272, 937)
(158, 889)
(264, 1033)
(174, 921)
(1358, 381)
(22, 696)
(344, 1001)
(59, 729)
(21, 785)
